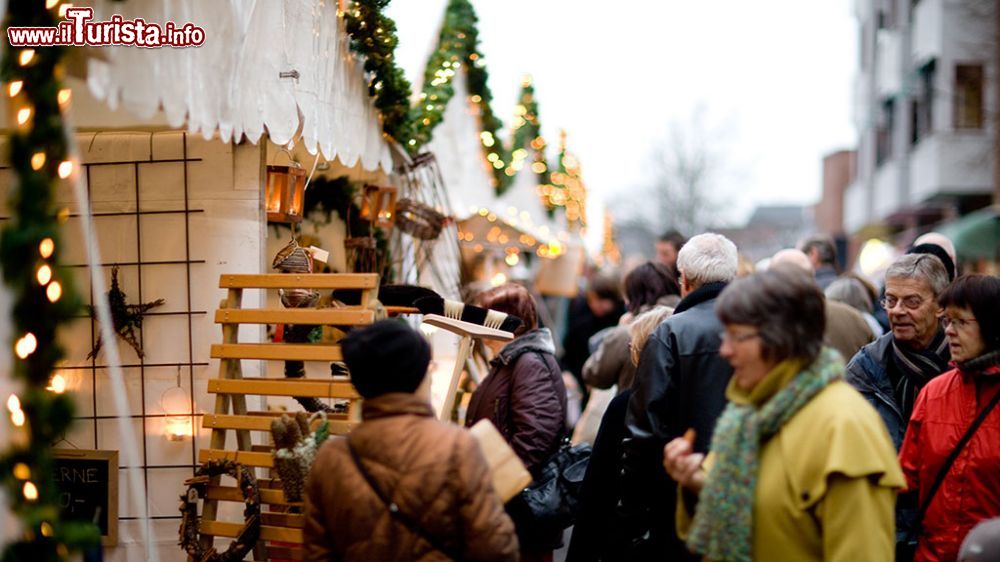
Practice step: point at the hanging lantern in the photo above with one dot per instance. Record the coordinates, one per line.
(177, 407)
(285, 190)
(379, 205)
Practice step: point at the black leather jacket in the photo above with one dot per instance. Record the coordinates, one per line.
(680, 383)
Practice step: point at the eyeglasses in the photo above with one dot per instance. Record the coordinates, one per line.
(725, 336)
(960, 323)
(911, 302)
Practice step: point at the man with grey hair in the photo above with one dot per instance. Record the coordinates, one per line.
(680, 384)
(890, 371)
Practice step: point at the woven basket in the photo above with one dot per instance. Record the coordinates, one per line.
(418, 219)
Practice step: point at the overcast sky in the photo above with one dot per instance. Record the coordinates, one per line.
(774, 77)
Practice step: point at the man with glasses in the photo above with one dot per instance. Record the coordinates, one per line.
(890, 371)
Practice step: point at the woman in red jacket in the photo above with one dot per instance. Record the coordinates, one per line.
(945, 410)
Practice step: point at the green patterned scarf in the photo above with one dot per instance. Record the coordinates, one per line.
(723, 524)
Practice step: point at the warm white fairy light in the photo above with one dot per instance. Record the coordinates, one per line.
(64, 96)
(54, 291)
(57, 384)
(23, 115)
(46, 247)
(44, 275)
(26, 57)
(49, 4)
(37, 161)
(65, 169)
(25, 347)
(14, 88)
(30, 492)
(22, 471)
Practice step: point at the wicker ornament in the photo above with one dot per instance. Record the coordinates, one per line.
(196, 489)
(419, 220)
(295, 450)
(293, 259)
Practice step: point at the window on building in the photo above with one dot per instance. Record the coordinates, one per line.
(922, 108)
(968, 99)
(883, 133)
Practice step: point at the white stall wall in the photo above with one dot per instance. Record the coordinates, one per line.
(137, 183)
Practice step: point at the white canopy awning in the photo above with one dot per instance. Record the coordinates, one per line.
(232, 83)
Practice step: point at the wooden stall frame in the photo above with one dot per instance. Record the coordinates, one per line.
(231, 390)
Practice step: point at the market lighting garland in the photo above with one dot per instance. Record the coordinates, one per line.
(566, 189)
(373, 35)
(42, 294)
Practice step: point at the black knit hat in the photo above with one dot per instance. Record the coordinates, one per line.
(387, 356)
(939, 253)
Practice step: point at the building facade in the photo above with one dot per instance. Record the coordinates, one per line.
(925, 101)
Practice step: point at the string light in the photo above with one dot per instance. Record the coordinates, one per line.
(46, 529)
(23, 115)
(30, 492)
(49, 4)
(64, 95)
(57, 384)
(46, 247)
(65, 169)
(21, 471)
(26, 56)
(14, 88)
(25, 346)
(44, 275)
(37, 161)
(63, 8)
(54, 291)
(16, 413)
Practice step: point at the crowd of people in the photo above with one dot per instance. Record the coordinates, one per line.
(789, 413)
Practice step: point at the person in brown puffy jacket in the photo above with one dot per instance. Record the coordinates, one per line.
(402, 485)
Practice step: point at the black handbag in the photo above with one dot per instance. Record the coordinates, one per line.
(906, 548)
(552, 501)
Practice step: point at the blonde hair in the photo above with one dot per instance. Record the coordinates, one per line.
(643, 325)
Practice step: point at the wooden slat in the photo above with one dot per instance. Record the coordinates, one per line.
(263, 423)
(313, 388)
(397, 310)
(247, 458)
(267, 532)
(277, 351)
(286, 552)
(234, 494)
(299, 281)
(292, 520)
(306, 316)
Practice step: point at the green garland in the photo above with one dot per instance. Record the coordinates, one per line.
(29, 253)
(373, 36)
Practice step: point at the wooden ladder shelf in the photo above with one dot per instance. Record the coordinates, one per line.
(231, 390)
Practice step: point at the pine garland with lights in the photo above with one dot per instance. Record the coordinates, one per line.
(566, 188)
(373, 36)
(43, 295)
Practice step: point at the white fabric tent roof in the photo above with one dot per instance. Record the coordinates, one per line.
(231, 84)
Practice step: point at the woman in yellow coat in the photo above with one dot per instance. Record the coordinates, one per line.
(800, 466)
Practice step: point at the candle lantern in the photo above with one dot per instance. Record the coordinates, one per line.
(285, 191)
(379, 205)
(177, 423)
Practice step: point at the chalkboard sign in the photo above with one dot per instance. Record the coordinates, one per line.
(88, 488)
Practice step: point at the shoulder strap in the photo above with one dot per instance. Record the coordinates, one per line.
(954, 455)
(394, 510)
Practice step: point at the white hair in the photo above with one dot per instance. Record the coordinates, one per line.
(708, 258)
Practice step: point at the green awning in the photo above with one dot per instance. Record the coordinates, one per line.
(976, 235)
